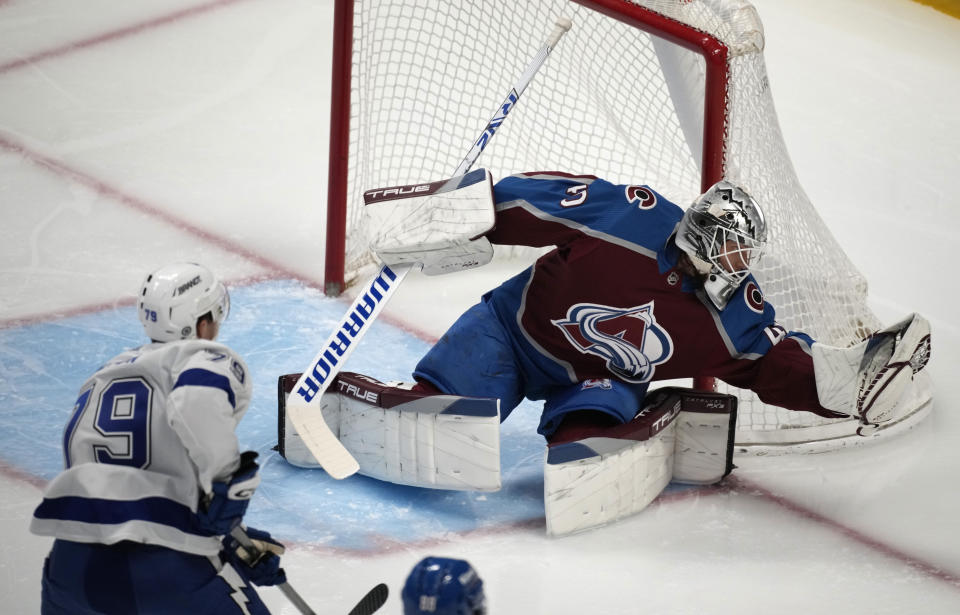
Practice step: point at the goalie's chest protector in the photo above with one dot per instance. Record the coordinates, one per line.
(610, 301)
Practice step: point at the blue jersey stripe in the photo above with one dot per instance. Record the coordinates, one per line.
(113, 512)
(205, 378)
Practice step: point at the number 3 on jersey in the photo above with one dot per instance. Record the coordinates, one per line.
(578, 194)
(122, 422)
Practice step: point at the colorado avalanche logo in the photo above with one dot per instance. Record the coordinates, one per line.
(645, 197)
(596, 383)
(630, 339)
(753, 297)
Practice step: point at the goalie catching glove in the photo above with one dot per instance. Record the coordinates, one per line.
(869, 379)
(439, 225)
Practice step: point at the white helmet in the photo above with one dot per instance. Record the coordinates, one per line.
(172, 298)
(724, 233)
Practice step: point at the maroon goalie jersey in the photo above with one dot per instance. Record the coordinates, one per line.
(610, 300)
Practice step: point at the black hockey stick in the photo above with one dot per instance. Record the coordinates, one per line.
(372, 602)
(240, 535)
(368, 605)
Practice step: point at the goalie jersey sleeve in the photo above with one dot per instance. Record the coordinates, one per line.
(150, 431)
(611, 301)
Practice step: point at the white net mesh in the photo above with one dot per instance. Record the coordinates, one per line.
(610, 101)
(427, 78)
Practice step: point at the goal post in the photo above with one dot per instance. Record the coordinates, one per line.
(354, 76)
(338, 169)
(671, 93)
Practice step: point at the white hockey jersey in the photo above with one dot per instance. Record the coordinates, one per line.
(150, 432)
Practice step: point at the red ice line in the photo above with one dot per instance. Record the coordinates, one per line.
(80, 310)
(99, 186)
(103, 188)
(276, 270)
(114, 34)
(59, 168)
(736, 483)
(135, 203)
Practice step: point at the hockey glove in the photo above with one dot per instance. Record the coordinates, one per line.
(257, 563)
(891, 359)
(868, 379)
(223, 508)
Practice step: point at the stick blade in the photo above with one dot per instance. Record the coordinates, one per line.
(329, 452)
(372, 602)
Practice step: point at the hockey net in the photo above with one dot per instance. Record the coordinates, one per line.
(671, 93)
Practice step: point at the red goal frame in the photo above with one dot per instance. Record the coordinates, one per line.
(713, 51)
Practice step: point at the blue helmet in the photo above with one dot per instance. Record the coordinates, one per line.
(443, 586)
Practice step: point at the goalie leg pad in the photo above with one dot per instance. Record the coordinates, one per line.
(608, 473)
(604, 474)
(289, 443)
(408, 437)
(593, 482)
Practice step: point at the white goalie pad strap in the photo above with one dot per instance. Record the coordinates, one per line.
(408, 438)
(870, 379)
(438, 225)
(599, 479)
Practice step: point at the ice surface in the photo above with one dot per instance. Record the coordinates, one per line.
(133, 134)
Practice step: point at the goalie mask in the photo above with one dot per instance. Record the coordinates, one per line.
(443, 586)
(723, 232)
(174, 297)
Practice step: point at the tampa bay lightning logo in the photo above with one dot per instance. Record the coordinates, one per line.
(630, 339)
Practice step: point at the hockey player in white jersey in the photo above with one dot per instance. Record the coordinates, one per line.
(153, 477)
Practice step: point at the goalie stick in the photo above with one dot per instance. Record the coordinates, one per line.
(303, 407)
(368, 605)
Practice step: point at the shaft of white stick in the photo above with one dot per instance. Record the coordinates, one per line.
(322, 443)
(562, 25)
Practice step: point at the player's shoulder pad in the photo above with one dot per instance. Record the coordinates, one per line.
(212, 357)
(646, 217)
(551, 176)
(748, 322)
(634, 213)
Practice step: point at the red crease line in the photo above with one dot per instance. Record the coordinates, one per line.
(81, 310)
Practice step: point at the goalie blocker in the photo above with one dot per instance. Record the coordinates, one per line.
(403, 436)
(439, 225)
(598, 475)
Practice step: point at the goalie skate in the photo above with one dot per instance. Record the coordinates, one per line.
(403, 436)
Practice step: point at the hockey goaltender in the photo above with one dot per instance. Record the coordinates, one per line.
(636, 290)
